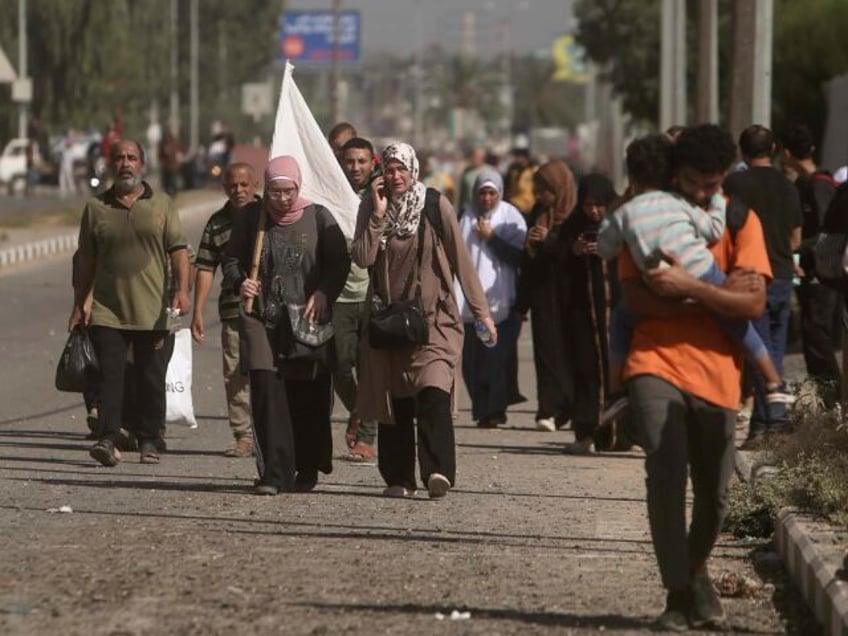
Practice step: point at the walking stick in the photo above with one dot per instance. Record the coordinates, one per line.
(257, 255)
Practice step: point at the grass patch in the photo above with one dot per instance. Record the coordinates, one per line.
(812, 474)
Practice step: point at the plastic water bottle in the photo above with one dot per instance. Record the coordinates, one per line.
(483, 334)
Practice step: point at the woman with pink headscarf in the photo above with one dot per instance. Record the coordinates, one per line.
(288, 335)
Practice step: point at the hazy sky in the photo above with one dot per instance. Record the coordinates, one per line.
(391, 24)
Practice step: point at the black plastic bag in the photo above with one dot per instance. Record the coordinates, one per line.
(78, 364)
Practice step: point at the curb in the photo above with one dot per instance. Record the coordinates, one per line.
(825, 595)
(35, 250)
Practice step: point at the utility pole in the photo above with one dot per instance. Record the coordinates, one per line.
(23, 108)
(174, 115)
(336, 70)
(742, 66)
(672, 63)
(763, 33)
(706, 103)
(194, 107)
(418, 78)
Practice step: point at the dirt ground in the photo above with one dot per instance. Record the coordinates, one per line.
(530, 541)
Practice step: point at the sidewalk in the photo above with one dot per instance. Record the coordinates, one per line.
(25, 244)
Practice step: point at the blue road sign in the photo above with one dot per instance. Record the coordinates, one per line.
(306, 37)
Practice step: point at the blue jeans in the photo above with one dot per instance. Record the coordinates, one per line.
(772, 327)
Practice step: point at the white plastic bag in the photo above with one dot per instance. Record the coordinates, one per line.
(324, 181)
(179, 407)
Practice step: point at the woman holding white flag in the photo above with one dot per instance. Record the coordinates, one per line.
(288, 260)
(408, 235)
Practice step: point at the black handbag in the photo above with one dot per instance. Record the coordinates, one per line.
(401, 324)
(78, 364)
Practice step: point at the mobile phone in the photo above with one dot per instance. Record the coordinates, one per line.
(591, 235)
(377, 172)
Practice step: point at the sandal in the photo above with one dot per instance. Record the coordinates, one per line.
(149, 454)
(352, 431)
(361, 453)
(241, 448)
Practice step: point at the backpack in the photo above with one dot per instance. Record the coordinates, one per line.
(829, 250)
(433, 213)
(736, 216)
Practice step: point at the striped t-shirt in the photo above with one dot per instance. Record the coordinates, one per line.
(659, 220)
(213, 244)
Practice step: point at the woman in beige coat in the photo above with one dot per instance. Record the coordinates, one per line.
(400, 385)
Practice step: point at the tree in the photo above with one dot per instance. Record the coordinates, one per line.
(622, 37)
(89, 57)
(810, 48)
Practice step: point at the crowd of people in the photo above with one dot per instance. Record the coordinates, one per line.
(645, 307)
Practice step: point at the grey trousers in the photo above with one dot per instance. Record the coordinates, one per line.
(682, 434)
(349, 325)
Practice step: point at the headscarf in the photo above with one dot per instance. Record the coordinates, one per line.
(596, 187)
(286, 168)
(404, 212)
(487, 177)
(497, 276)
(559, 178)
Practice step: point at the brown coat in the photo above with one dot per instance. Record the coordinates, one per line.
(403, 373)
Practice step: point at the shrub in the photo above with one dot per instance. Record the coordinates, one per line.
(812, 474)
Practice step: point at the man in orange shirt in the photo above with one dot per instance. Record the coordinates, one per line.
(683, 376)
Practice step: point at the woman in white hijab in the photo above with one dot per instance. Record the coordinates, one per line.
(494, 232)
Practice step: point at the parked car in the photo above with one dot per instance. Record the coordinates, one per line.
(13, 167)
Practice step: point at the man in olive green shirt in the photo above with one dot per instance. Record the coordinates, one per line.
(128, 235)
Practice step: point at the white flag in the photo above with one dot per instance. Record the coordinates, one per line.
(296, 133)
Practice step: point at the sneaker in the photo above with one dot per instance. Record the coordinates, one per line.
(706, 606)
(675, 616)
(397, 492)
(546, 424)
(779, 394)
(105, 452)
(437, 486)
(582, 447)
(614, 407)
(305, 482)
(266, 490)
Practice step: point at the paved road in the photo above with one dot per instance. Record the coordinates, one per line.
(530, 541)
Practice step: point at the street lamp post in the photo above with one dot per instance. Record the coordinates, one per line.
(23, 112)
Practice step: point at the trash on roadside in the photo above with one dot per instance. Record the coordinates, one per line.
(455, 615)
(732, 584)
(62, 509)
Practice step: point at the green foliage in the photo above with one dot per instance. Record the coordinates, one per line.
(809, 48)
(812, 475)
(622, 37)
(89, 58)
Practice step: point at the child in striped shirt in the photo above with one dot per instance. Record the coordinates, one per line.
(656, 222)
